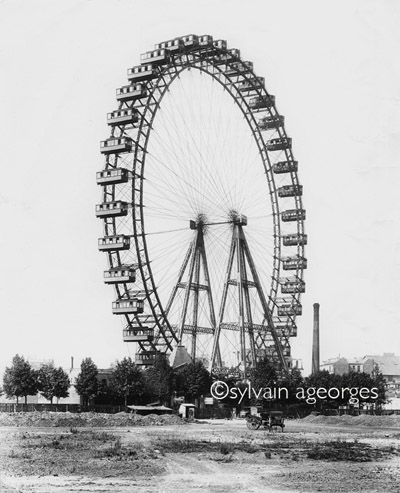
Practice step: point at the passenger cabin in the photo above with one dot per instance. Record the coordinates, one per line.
(234, 53)
(206, 40)
(294, 263)
(294, 239)
(292, 285)
(112, 209)
(250, 85)
(147, 358)
(114, 243)
(290, 191)
(261, 102)
(289, 308)
(138, 334)
(288, 329)
(116, 145)
(173, 45)
(221, 44)
(293, 215)
(155, 57)
(271, 122)
(237, 68)
(142, 72)
(190, 40)
(127, 306)
(279, 332)
(111, 176)
(279, 144)
(132, 92)
(122, 117)
(122, 273)
(285, 167)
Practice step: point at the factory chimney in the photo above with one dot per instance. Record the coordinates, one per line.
(315, 346)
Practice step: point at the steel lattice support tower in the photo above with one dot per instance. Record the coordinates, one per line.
(243, 283)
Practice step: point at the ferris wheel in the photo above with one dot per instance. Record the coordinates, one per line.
(202, 210)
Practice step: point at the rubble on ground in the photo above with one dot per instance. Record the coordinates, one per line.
(89, 419)
(392, 421)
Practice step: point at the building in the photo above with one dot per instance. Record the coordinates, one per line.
(387, 363)
(337, 366)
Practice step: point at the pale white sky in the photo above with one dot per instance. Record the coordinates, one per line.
(334, 69)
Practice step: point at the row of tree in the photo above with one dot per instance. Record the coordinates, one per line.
(21, 380)
(129, 384)
(322, 389)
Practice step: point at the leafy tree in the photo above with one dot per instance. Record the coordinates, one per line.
(106, 394)
(86, 382)
(348, 386)
(263, 375)
(20, 379)
(159, 380)
(291, 381)
(127, 379)
(322, 380)
(53, 382)
(193, 380)
(380, 383)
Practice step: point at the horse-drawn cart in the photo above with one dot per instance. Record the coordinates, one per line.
(270, 420)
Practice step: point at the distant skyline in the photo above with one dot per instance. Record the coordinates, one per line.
(335, 72)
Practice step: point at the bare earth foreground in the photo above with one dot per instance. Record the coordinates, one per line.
(62, 452)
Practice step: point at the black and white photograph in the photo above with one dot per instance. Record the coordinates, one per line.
(200, 247)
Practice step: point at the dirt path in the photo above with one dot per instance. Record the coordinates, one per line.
(191, 474)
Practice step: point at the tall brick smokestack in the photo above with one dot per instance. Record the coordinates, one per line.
(315, 346)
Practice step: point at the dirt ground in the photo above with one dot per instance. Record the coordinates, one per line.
(215, 456)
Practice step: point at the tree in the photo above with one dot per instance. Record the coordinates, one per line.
(316, 387)
(264, 375)
(86, 382)
(326, 390)
(159, 379)
(127, 379)
(106, 394)
(20, 379)
(53, 382)
(380, 383)
(193, 380)
(291, 382)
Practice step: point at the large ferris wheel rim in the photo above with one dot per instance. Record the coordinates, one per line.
(206, 60)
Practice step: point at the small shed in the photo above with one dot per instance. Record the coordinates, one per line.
(186, 410)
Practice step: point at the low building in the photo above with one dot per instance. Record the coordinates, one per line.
(337, 366)
(387, 363)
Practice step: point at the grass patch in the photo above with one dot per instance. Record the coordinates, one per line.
(118, 452)
(75, 441)
(337, 450)
(181, 445)
(81, 452)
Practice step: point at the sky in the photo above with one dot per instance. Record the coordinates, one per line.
(334, 69)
